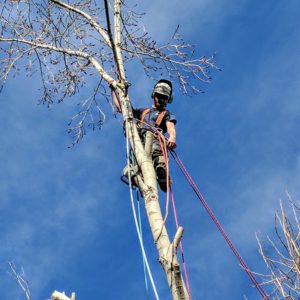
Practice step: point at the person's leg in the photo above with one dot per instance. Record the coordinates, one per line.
(159, 165)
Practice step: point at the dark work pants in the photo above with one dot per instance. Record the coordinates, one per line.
(157, 155)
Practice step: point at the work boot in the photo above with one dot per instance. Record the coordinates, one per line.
(161, 174)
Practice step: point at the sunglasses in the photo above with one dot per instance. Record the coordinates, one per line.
(162, 97)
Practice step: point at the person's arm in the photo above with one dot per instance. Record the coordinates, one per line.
(115, 98)
(172, 135)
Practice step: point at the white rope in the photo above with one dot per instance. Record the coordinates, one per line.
(136, 223)
(141, 231)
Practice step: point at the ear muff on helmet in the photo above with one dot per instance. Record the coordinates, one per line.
(156, 89)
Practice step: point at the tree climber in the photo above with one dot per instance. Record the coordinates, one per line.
(159, 117)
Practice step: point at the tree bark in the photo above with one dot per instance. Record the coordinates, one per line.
(61, 296)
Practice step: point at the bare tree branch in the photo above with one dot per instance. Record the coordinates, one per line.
(91, 21)
(19, 277)
(284, 260)
(87, 112)
(78, 54)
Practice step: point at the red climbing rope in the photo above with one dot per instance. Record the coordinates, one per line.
(215, 220)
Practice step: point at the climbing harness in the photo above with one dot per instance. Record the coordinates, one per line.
(215, 220)
(158, 120)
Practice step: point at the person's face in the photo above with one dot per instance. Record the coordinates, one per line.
(160, 100)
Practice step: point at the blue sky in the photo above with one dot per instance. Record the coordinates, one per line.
(65, 215)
